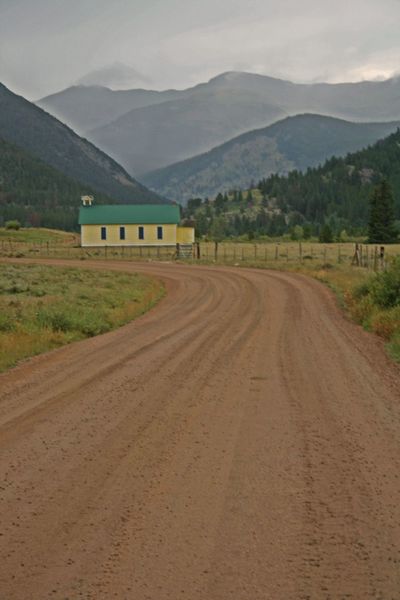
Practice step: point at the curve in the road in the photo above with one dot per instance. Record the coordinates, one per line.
(241, 440)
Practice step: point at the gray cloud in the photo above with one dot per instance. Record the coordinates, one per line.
(46, 45)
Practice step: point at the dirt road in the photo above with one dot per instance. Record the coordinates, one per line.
(241, 440)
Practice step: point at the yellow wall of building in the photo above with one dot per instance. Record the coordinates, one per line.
(185, 235)
(91, 235)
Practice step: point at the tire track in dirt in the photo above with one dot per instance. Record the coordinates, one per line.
(239, 440)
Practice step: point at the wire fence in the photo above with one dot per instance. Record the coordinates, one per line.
(362, 255)
(57, 249)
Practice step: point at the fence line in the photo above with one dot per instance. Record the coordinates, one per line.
(361, 255)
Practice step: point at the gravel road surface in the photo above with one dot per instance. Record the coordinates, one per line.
(241, 440)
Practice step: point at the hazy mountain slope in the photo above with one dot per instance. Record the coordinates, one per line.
(294, 143)
(32, 129)
(37, 194)
(87, 107)
(147, 130)
(155, 136)
(366, 100)
(209, 114)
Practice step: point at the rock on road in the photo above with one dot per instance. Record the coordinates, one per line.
(241, 440)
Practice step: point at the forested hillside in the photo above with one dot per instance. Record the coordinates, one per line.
(336, 194)
(341, 187)
(35, 131)
(37, 194)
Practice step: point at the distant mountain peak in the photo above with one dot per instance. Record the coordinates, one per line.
(243, 76)
(228, 76)
(116, 76)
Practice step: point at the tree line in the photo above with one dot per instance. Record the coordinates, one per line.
(358, 195)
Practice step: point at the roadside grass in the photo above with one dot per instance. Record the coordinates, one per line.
(43, 307)
(375, 304)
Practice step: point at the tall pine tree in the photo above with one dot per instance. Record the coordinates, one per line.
(382, 228)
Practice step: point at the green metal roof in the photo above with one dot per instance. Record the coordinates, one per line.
(126, 214)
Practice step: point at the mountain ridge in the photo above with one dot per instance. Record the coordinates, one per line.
(297, 142)
(165, 129)
(32, 129)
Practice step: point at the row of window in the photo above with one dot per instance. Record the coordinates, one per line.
(122, 233)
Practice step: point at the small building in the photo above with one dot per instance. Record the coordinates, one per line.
(132, 225)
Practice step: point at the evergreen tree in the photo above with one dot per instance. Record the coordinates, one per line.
(326, 235)
(382, 229)
(201, 224)
(307, 231)
(219, 203)
(217, 229)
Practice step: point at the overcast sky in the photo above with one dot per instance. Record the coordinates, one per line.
(47, 45)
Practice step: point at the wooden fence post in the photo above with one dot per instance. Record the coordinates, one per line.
(356, 257)
(375, 258)
(382, 257)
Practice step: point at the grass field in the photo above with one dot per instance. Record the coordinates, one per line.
(45, 307)
(36, 235)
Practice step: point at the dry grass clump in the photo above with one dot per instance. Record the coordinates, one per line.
(375, 304)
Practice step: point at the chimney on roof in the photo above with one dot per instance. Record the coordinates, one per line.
(87, 200)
